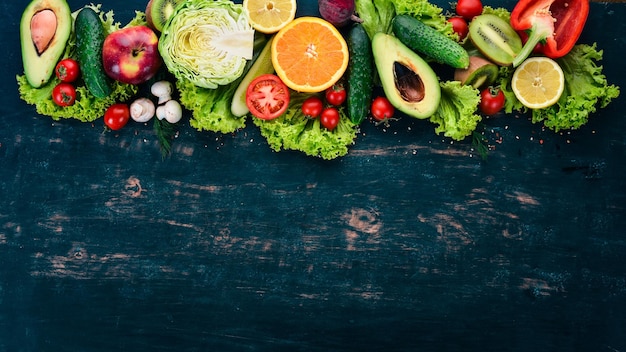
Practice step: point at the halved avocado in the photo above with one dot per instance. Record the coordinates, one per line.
(409, 82)
(45, 28)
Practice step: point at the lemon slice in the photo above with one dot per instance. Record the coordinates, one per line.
(538, 82)
(269, 16)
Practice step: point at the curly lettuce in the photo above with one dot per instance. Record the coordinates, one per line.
(210, 107)
(456, 115)
(207, 42)
(294, 131)
(87, 107)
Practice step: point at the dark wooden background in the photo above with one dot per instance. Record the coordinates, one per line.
(409, 243)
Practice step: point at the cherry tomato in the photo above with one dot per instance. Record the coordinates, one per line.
(469, 9)
(459, 25)
(67, 70)
(116, 116)
(64, 94)
(267, 97)
(330, 118)
(312, 107)
(491, 100)
(381, 109)
(336, 94)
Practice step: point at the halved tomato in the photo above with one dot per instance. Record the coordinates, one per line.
(267, 97)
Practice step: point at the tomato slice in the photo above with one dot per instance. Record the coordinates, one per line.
(267, 97)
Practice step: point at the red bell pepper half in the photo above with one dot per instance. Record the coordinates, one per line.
(556, 23)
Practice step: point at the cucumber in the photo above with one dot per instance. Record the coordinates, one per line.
(360, 76)
(90, 36)
(423, 38)
(262, 64)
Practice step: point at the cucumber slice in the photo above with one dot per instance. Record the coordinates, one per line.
(262, 65)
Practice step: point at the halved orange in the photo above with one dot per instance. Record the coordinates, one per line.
(269, 16)
(309, 54)
(538, 82)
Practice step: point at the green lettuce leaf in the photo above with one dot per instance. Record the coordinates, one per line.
(456, 115)
(376, 15)
(87, 108)
(294, 131)
(210, 107)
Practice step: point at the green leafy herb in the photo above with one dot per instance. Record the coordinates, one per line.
(480, 144)
(165, 132)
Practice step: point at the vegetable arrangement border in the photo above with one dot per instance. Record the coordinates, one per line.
(430, 64)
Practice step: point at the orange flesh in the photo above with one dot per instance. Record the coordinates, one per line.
(43, 27)
(308, 57)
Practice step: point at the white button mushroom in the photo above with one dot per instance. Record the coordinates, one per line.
(170, 111)
(142, 110)
(162, 90)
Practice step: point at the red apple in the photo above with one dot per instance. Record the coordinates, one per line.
(131, 55)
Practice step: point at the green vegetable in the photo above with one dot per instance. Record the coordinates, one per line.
(89, 39)
(211, 108)
(87, 107)
(586, 88)
(207, 42)
(456, 115)
(294, 131)
(426, 12)
(261, 65)
(425, 39)
(376, 15)
(360, 76)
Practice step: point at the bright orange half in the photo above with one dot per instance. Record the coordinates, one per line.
(309, 54)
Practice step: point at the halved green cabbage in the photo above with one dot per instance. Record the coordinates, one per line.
(207, 42)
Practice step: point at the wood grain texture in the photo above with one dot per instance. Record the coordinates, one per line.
(410, 242)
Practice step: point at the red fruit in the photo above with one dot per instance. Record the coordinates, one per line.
(131, 55)
(116, 116)
(330, 118)
(469, 9)
(459, 25)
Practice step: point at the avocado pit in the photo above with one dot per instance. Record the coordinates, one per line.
(43, 27)
(408, 83)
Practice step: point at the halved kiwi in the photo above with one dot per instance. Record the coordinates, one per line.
(159, 11)
(479, 74)
(495, 38)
